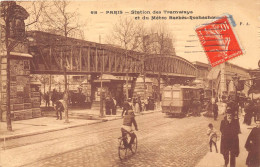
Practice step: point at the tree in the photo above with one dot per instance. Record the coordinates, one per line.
(159, 40)
(58, 19)
(127, 33)
(12, 32)
(35, 8)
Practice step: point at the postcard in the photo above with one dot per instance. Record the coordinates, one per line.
(130, 83)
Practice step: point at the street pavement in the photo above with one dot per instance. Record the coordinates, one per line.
(162, 141)
(213, 159)
(47, 124)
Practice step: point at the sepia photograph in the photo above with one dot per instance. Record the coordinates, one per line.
(130, 83)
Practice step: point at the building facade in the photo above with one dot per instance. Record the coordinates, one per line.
(224, 76)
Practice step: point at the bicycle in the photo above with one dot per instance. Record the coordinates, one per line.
(122, 149)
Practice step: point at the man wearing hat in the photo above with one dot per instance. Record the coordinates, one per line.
(126, 106)
(126, 128)
(229, 145)
(59, 107)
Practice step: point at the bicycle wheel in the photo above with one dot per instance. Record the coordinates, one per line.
(134, 146)
(122, 150)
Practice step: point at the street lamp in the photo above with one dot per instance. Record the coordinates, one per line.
(126, 89)
(101, 87)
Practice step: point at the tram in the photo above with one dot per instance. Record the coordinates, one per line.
(179, 100)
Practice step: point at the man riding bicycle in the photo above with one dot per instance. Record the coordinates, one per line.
(128, 120)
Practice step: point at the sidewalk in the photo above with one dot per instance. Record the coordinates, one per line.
(48, 124)
(213, 159)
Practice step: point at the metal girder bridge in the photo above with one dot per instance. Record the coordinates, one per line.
(52, 52)
(170, 66)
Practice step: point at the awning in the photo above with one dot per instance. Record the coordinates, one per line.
(4, 53)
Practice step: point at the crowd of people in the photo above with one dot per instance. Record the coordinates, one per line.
(230, 130)
(111, 103)
(138, 105)
(229, 126)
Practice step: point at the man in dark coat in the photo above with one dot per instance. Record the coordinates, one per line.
(54, 96)
(59, 109)
(47, 99)
(215, 110)
(249, 109)
(253, 146)
(108, 106)
(229, 139)
(233, 105)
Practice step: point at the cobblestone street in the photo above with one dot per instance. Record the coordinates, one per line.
(162, 141)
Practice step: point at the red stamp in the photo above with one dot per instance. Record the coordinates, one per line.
(219, 41)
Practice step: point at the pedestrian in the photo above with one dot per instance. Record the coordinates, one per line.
(54, 96)
(108, 106)
(249, 109)
(59, 109)
(146, 104)
(229, 145)
(212, 137)
(139, 102)
(256, 110)
(126, 106)
(196, 108)
(137, 106)
(114, 104)
(253, 146)
(241, 103)
(224, 107)
(233, 105)
(47, 99)
(215, 110)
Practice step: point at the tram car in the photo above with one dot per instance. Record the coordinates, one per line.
(178, 101)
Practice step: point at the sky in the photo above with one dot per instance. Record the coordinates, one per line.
(245, 14)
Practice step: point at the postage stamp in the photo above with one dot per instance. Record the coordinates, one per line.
(219, 41)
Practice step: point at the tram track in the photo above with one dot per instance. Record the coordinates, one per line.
(79, 132)
(109, 135)
(99, 137)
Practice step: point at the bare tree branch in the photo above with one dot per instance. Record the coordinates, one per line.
(36, 12)
(126, 33)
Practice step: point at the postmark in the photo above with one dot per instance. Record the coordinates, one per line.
(219, 41)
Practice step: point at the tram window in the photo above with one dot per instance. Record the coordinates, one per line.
(168, 94)
(176, 94)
